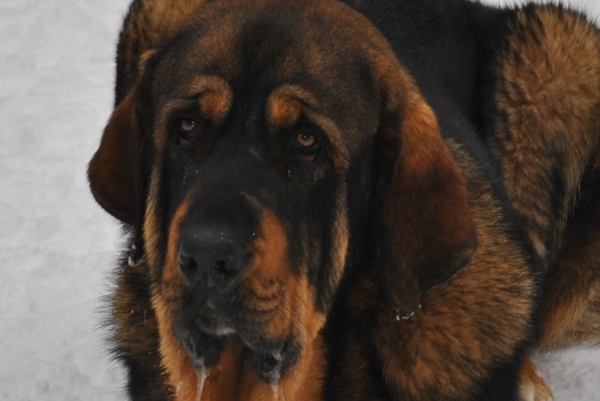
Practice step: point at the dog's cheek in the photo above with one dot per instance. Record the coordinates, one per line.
(165, 299)
(171, 282)
(280, 288)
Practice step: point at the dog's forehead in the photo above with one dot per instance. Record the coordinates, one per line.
(257, 50)
(269, 43)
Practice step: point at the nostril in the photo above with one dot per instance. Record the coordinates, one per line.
(185, 260)
(188, 264)
(224, 268)
(220, 267)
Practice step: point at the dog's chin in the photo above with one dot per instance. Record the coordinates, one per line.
(269, 360)
(204, 348)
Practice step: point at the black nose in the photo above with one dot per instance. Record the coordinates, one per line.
(214, 255)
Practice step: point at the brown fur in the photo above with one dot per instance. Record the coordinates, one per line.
(447, 292)
(547, 146)
(571, 303)
(444, 349)
(143, 29)
(304, 382)
(229, 380)
(549, 94)
(283, 111)
(114, 162)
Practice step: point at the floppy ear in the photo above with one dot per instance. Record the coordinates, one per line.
(423, 218)
(116, 173)
(113, 172)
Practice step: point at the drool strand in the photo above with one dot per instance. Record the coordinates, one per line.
(202, 375)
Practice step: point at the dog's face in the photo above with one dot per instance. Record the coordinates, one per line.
(259, 125)
(259, 140)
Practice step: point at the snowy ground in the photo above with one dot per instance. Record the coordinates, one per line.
(56, 244)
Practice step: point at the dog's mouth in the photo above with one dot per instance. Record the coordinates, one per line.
(270, 363)
(205, 340)
(203, 348)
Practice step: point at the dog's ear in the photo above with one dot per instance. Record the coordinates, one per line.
(423, 221)
(112, 170)
(116, 171)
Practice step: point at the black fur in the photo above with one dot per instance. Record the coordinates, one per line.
(450, 47)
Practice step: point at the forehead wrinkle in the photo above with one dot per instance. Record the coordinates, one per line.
(295, 92)
(200, 47)
(203, 83)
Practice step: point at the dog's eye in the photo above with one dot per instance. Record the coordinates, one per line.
(306, 140)
(307, 145)
(188, 130)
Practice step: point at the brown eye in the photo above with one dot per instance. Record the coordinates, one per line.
(306, 140)
(188, 131)
(187, 125)
(307, 145)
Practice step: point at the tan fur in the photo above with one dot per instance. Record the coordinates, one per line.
(216, 97)
(151, 231)
(149, 19)
(427, 188)
(174, 360)
(284, 108)
(341, 236)
(548, 91)
(466, 323)
(423, 154)
(442, 349)
(533, 386)
(303, 382)
(274, 289)
(549, 94)
(283, 111)
(571, 305)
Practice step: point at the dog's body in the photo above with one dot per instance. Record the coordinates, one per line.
(328, 211)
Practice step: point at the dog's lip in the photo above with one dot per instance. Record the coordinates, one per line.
(218, 329)
(269, 359)
(275, 351)
(203, 348)
(269, 362)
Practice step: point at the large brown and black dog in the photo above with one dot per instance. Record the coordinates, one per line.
(380, 200)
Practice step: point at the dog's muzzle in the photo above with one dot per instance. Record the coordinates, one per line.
(212, 256)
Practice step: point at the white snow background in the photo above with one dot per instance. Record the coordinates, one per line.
(57, 246)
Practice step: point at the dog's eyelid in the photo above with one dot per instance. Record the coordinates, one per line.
(188, 127)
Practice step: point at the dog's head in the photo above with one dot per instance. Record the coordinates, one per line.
(264, 146)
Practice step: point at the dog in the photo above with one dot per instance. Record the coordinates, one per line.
(360, 200)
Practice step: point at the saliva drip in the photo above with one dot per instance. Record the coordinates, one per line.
(275, 388)
(202, 375)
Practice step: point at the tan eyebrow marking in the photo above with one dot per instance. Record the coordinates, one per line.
(216, 97)
(285, 104)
